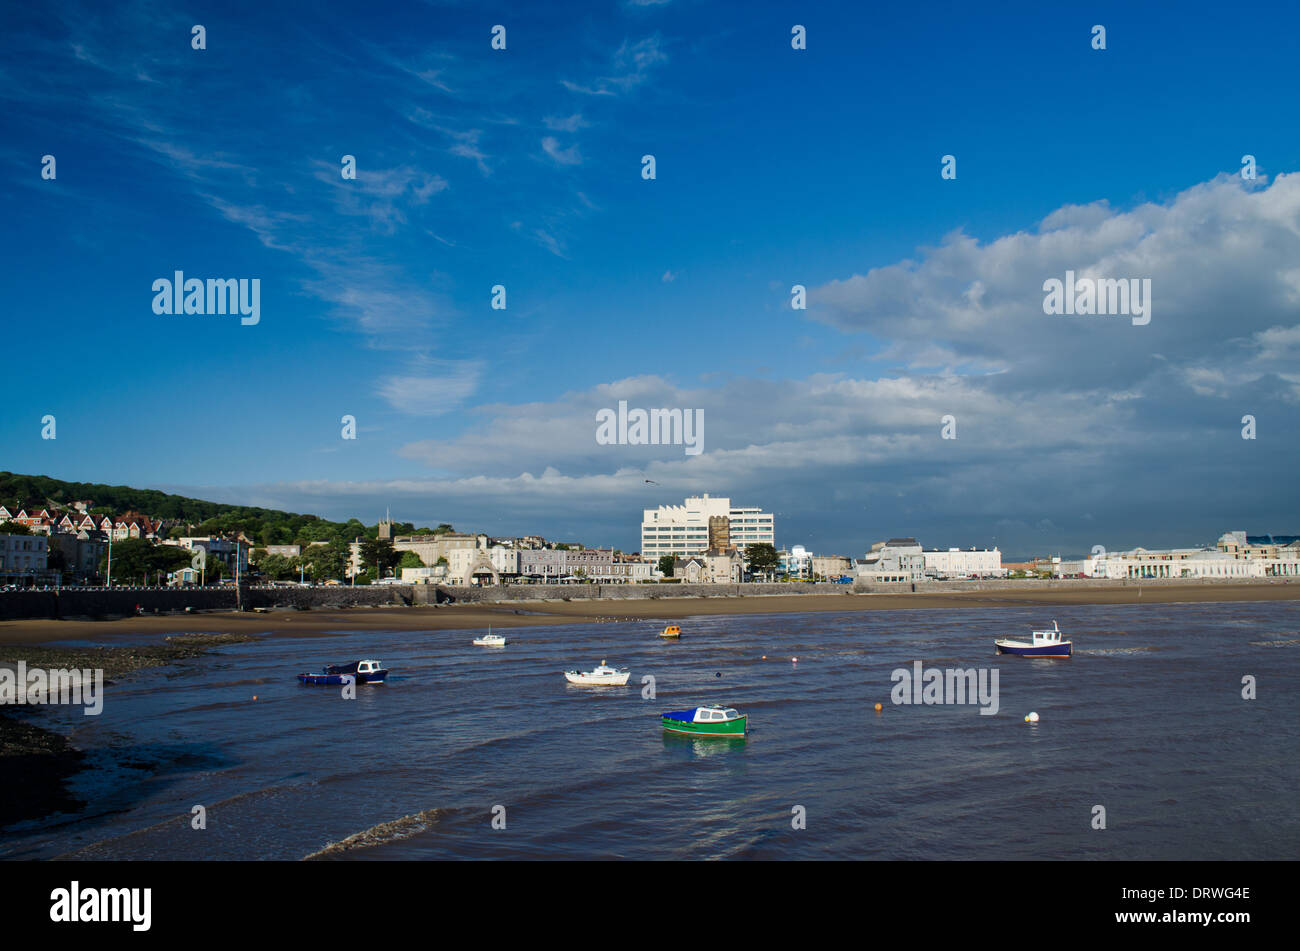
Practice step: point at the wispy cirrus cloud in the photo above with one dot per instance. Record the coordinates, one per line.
(543, 237)
(565, 123)
(630, 66)
(570, 156)
(383, 195)
(465, 143)
(440, 388)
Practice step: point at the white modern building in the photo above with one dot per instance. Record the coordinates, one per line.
(899, 559)
(684, 529)
(964, 562)
(795, 563)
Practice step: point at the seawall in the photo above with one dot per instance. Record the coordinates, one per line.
(80, 603)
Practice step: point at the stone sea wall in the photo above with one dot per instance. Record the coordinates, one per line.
(121, 602)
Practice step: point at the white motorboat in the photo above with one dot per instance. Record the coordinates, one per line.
(1044, 644)
(602, 676)
(490, 640)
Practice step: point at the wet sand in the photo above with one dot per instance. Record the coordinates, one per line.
(320, 623)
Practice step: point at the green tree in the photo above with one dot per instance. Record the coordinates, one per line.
(278, 567)
(666, 565)
(378, 553)
(14, 528)
(136, 558)
(762, 558)
(410, 559)
(325, 561)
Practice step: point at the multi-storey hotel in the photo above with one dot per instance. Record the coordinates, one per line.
(701, 524)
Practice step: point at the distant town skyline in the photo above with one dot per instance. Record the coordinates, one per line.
(444, 331)
(740, 534)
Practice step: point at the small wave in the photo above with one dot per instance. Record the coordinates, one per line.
(385, 832)
(1109, 651)
(95, 851)
(1290, 643)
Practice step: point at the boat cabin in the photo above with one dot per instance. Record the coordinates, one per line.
(1048, 637)
(715, 714)
(356, 667)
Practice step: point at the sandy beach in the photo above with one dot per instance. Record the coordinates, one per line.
(291, 623)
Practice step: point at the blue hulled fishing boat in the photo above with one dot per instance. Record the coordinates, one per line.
(1044, 644)
(359, 671)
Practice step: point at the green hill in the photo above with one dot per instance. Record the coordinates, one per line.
(263, 526)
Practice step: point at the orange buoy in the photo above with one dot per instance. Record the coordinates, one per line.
(878, 708)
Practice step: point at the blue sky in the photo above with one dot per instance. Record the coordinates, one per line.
(774, 167)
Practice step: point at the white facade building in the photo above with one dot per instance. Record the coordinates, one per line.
(1235, 556)
(899, 559)
(684, 529)
(1179, 563)
(464, 563)
(795, 563)
(964, 562)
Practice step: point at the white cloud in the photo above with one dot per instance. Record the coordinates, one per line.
(630, 66)
(432, 395)
(565, 123)
(1219, 256)
(569, 156)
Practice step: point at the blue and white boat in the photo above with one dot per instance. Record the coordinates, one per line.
(359, 671)
(1043, 644)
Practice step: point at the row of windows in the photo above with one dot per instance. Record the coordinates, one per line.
(24, 544)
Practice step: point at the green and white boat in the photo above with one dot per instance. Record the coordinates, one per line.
(706, 721)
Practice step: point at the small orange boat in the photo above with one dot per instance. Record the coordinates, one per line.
(672, 630)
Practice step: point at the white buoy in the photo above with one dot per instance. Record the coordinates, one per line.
(1032, 718)
(794, 660)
